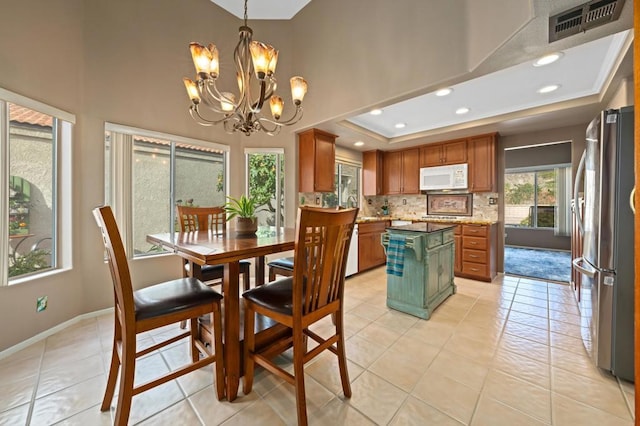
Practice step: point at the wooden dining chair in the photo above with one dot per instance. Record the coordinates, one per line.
(314, 291)
(184, 299)
(282, 266)
(213, 219)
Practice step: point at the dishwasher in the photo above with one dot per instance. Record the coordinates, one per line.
(352, 257)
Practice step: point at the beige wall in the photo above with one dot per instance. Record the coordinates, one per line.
(122, 61)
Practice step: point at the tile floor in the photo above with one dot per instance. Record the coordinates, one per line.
(501, 353)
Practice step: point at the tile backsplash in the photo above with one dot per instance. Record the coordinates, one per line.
(409, 206)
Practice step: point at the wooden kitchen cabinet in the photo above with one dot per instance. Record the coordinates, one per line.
(401, 172)
(316, 161)
(478, 249)
(442, 154)
(482, 163)
(370, 250)
(372, 173)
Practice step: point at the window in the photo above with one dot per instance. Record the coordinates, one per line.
(151, 173)
(38, 139)
(531, 197)
(265, 184)
(347, 186)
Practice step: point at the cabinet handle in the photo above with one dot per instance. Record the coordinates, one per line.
(475, 269)
(473, 242)
(474, 256)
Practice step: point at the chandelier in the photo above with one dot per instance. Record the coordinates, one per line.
(241, 112)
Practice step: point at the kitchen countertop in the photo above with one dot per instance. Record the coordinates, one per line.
(422, 227)
(460, 220)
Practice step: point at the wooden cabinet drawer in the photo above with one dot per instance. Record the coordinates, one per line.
(478, 269)
(477, 243)
(478, 256)
(474, 231)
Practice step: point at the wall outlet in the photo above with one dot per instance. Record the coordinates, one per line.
(369, 201)
(317, 200)
(41, 303)
(493, 200)
(404, 201)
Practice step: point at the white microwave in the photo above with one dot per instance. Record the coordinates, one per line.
(443, 177)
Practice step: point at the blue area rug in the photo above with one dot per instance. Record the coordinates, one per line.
(545, 264)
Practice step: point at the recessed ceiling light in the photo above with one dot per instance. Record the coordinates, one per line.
(462, 110)
(548, 59)
(444, 92)
(400, 125)
(548, 89)
(375, 112)
(359, 143)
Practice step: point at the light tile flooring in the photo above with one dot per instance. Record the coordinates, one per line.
(501, 353)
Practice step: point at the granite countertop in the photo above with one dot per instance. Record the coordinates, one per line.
(422, 227)
(460, 219)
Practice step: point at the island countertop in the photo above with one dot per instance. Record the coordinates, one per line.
(422, 227)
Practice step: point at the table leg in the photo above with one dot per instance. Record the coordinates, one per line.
(259, 271)
(231, 328)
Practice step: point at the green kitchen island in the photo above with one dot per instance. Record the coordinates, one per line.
(420, 260)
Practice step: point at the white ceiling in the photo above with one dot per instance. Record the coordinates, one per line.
(263, 9)
(581, 71)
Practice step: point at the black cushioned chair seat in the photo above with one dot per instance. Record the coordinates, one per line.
(276, 296)
(172, 296)
(284, 263)
(218, 269)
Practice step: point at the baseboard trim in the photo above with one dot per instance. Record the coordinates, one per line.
(53, 330)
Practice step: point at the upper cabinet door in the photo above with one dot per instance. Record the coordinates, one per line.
(454, 152)
(372, 173)
(482, 163)
(392, 167)
(431, 155)
(316, 161)
(411, 171)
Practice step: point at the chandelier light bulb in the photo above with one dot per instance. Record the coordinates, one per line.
(227, 103)
(298, 89)
(277, 105)
(192, 90)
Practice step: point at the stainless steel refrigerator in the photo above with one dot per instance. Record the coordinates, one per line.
(607, 288)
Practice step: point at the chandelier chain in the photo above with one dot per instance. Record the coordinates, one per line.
(245, 13)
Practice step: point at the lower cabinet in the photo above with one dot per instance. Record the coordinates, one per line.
(475, 249)
(370, 250)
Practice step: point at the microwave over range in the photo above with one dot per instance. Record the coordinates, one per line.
(444, 177)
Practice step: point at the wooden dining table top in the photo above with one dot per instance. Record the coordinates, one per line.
(207, 248)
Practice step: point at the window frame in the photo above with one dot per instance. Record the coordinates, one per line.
(340, 161)
(120, 164)
(61, 190)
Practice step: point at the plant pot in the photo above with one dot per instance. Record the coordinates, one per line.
(246, 226)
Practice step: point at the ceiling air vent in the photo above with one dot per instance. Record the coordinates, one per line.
(581, 18)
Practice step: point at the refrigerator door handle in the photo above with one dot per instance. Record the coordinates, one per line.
(632, 201)
(576, 186)
(580, 267)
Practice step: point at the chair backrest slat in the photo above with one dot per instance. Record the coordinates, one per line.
(202, 219)
(118, 264)
(321, 248)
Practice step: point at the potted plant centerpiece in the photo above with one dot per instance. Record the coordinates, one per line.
(244, 208)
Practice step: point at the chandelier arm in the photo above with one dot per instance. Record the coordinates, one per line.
(297, 115)
(193, 109)
(270, 131)
(217, 96)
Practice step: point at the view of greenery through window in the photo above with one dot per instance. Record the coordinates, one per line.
(530, 198)
(265, 172)
(32, 171)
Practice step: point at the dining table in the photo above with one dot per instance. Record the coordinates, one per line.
(228, 249)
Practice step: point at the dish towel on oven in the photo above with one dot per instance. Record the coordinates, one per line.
(395, 255)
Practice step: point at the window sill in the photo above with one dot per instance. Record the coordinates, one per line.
(39, 276)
